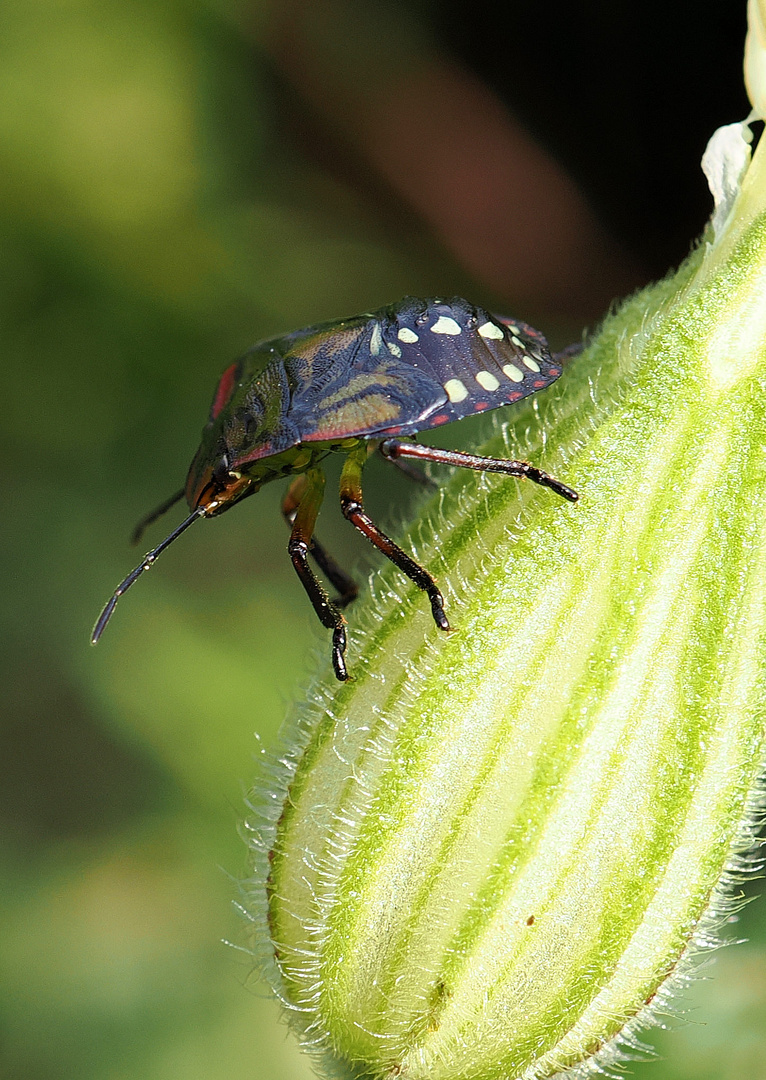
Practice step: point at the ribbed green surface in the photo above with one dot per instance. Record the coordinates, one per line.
(496, 845)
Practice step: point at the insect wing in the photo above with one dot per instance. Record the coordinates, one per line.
(480, 360)
(349, 382)
(408, 367)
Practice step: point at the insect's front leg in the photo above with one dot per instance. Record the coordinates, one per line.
(303, 522)
(149, 519)
(348, 589)
(397, 448)
(353, 509)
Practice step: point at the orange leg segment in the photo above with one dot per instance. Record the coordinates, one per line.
(348, 589)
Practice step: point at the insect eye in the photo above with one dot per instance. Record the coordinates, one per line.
(221, 472)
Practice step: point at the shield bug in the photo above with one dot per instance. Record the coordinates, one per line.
(364, 383)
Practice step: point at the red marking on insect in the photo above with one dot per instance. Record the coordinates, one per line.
(481, 405)
(224, 391)
(262, 451)
(539, 383)
(514, 395)
(441, 418)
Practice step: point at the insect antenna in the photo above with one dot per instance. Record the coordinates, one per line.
(145, 522)
(134, 575)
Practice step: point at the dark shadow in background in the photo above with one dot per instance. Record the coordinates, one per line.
(623, 98)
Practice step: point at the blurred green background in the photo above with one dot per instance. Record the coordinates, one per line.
(172, 188)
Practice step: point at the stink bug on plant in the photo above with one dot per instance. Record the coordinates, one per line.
(373, 381)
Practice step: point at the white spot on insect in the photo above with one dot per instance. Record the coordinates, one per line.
(405, 334)
(489, 330)
(456, 390)
(530, 363)
(393, 348)
(487, 380)
(376, 340)
(517, 341)
(514, 374)
(445, 325)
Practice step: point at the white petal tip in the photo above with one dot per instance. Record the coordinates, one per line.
(724, 164)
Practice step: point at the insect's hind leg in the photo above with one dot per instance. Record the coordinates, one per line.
(348, 589)
(303, 522)
(397, 448)
(353, 510)
(570, 352)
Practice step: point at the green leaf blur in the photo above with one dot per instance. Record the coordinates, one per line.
(154, 223)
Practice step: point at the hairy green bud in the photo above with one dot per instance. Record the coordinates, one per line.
(492, 853)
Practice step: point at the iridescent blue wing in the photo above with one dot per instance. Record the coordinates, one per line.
(347, 381)
(482, 361)
(409, 367)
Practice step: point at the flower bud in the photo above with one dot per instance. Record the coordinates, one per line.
(493, 853)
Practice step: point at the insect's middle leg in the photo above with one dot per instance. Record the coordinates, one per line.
(348, 589)
(303, 521)
(353, 509)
